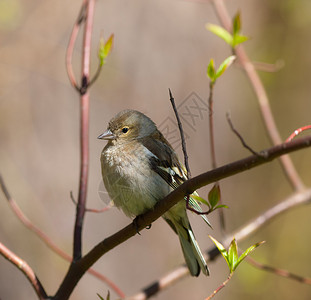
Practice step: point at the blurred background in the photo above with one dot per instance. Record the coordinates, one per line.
(158, 45)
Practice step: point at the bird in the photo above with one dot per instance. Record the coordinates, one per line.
(139, 168)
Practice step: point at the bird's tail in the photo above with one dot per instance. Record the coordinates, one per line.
(192, 253)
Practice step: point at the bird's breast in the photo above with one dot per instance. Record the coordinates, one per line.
(131, 183)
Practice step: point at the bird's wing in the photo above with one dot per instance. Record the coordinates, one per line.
(165, 163)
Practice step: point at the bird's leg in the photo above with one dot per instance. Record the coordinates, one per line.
(136, 225)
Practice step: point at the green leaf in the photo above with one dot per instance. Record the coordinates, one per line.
(247, 252)
(225, 64)
(221, 32)
(236, 23)
(239, 39)
(233, 255)
(105, 49)
(221, 206)
(211, 70)
(221, 249)
(108, 296)
(198, 198)
(214, 195)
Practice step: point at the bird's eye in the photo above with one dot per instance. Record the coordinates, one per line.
(125, 129)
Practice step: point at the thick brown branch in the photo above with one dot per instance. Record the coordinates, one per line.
(77, 269)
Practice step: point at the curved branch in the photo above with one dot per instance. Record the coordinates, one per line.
(25, 268)
(71, 44)
(78, 268)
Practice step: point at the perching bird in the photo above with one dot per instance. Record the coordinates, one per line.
(139, 168)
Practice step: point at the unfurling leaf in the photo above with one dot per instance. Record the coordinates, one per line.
(214, 196)
(239, 39)
(211, 70)
(221, 249)
(237, 23)
(234, 38)
(233, 255)
(225, 64)
(247, 252)
(108, 296)
(221, 32)
(105, 49)
(200, 199)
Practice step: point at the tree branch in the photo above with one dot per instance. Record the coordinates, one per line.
(297, 199)
(84, 130)
(78, 268)
(263, 101)
(47, 240)
(71, 44)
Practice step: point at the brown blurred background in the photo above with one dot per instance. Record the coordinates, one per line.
(158, 45)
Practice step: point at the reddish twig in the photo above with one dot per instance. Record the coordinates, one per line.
(25, 268)
(279, 272)
(262, 97)
(81, 18)
(298, 131)
(220, 287)
(47, 240)
(21, 216)
(270, 68)
(84, 130)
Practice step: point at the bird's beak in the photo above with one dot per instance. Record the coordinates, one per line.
(107, 135)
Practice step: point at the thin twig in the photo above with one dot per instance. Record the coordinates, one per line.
(297, 199)
(220, 287)
(93, 210)
(71, 44)
(21, 216)
(270, 68)
(241, 138)
(278, 272)
(47, 240)
(211, 125)
(182, 136)
(265, 109)
(26, 269)
(96, 75)
(298, 131)
(77, 269)
(184, 149)
(213, 148)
